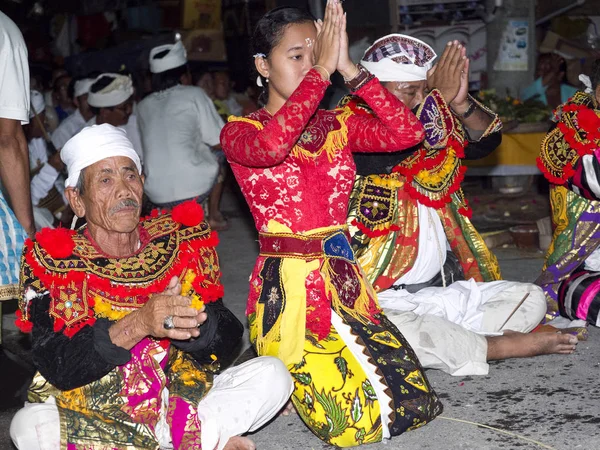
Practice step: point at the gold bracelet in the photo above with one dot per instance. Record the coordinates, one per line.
(353, 76)
(326, 71)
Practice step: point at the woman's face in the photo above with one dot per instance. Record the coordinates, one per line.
(289, 61)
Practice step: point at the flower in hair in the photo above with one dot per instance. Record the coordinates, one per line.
(259, 55)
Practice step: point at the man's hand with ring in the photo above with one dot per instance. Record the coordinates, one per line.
(170, 315)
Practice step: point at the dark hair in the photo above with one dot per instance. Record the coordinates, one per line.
(169, 78)
(595, 75)
(269, 31)
(100, 84)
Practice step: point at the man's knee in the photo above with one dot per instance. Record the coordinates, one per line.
(278, 381)
(34, 424)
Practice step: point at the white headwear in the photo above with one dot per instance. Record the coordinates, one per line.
(37, 103)
(119, 90)
(82, 87)
(397, 57)
(587, 82)
(176, 57)
(93, 144)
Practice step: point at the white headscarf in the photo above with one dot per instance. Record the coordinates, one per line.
(82, 87)
(119, 90)
(93, 144)
(397, 57)
(38, 105)
(176, 57)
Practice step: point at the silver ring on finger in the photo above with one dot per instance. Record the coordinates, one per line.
(168, 323)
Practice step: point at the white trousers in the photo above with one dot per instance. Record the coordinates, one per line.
(451, 347)
(242, 399)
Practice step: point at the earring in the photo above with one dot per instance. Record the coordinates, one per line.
(267, 80)
(259, 81)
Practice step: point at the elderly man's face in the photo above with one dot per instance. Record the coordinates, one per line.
(112, 196)
(411, 93)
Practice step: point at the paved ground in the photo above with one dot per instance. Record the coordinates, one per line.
(546, 402)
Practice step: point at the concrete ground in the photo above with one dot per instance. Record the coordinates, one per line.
(550, 402)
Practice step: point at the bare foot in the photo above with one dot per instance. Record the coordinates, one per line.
(513, 344)
(239, 443)
(289, 409)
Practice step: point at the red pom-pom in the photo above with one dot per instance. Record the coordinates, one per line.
(188, 213)
(24, 325)
(588, 120)
(57, 242)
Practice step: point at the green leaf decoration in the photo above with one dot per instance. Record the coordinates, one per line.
(303, 378)
(308, 400)
(314, 342)
(342, 366)
(301, 364)
(360, 436)
(356, 411)
(334, 413)
(369, 391)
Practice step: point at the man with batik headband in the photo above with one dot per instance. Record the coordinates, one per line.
(410, 221)
(76, 121)
(111, 99)
(181, 118)
(128, 326)
(569, 159)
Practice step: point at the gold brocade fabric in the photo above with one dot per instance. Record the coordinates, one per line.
(388, 256)
(577, 227)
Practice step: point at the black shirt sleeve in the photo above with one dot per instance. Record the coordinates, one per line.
(483, 147)
(69, 363)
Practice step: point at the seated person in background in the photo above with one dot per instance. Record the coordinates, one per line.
(569, 159)
(410, 226)
(76, 121)
(125, 357)
(225, 102)
(111, 100)
(47, 185)
(550, 86)
(204, 79)
(62, 101)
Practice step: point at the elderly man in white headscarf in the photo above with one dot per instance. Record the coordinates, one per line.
(410, 226)
(47, 185)
(111, 100)
(76, 121)
(181, 118)
(128, 325)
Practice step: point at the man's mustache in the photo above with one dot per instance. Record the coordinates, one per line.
(127, 203)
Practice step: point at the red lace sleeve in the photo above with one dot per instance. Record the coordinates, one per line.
(394, 128)
(247, 143)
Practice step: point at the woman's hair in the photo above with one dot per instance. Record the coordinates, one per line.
(269, 31)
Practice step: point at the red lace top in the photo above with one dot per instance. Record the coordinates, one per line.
(296, 167)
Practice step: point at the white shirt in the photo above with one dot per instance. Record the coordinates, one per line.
(431, 250)
(45, 179)
(67, 129)
(178, 128)
(133, 133)
(14, 73)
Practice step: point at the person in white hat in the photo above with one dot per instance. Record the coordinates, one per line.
(76, 121)
(17, 222)
(111, 100)
(115, 341)
(410, 224)
(180, 130)
(47, 184)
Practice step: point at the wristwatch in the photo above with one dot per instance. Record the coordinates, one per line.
(470, 110)
(360, 79)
